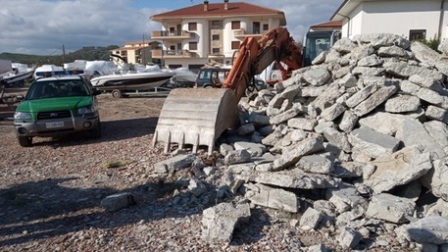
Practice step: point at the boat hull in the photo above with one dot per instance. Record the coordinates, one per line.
(137, 81)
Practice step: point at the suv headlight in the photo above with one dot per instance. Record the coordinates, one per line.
(22, 116)
(87, 110)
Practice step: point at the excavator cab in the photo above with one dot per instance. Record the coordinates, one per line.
(198, 116)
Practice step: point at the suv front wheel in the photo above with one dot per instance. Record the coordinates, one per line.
(25, 141)
(96, 132)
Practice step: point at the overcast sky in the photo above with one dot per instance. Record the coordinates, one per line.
(42, 27)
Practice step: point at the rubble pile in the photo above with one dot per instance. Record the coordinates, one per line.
(354, 146)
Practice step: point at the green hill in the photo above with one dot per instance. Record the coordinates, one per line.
(86, 53)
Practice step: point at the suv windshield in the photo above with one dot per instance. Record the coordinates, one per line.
(56, 88)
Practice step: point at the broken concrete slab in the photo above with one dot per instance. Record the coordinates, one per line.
(310, 219)
(302, 123)
(317, 76)
(294, 178)
(118, 201)
(353, 169)
(255, 149)
(219, 222)
(305, 147)
(275, 198)
(437, 178)
(315, 164)
(386, 123)
(348, 121)
(437, 113)
(373, 143)
(390, 208)
(431, 229)
(378, 97)
(174, 164)
(399, 168)
(402, 104)
(237, 156)
(349, 238)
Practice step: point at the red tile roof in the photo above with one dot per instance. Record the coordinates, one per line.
(217, 9)
(331, 24)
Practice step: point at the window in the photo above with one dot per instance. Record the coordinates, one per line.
(265, 27)
(216, 23)
(417, 35)
(215, 50)
(236, 25)
(215, 37)
(193, 45)
(235, 45)
(256, 28)
(192, 26)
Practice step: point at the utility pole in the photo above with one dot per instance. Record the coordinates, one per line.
(63, 54)
(143, 50)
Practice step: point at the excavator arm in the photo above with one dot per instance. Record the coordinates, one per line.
(199, 116)
(255, 56)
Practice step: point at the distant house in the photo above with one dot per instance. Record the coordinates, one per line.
(135, 52)
(327, 26)
(210, 32)
(413, 19)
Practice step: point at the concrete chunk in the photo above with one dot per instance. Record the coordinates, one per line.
(310, 219)
(373, 143)
(390, 208)
(305, 147)
(402, 104)
(273, 198)
(431, 229)
(377, 98)
(118, 201)
(315, 164)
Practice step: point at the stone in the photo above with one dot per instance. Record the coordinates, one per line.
(377, 40)
(275, 198)
(317, 76)
(174, 164)
(224, 149)
(392, 51)
(402, 104)
(353, 169)
(237, 156)
(333, 112)
(258, 119)
(255, 149)
(337, 138)
(349, 238)
(302, 123)
(310, 219)
(368, 71)
(294, 178)
(412, 132)
(370, 61)
(373, 143)
(246, 129)
(344, 45)
(437, 113)
(305, 147)
(315, 164)
(197, 187)
(348, 81)
(399, 168)
(285, 116)
(390, 208)
(386, 123)
(425, 94)
(431, 229)
(439, 132)
(118, 201)
(437, 178)
(348, 121)
(345, 195)
(439, 209)
(361, 95)
(219, 222)
(404, 70)
(313, 91)
(377, 98)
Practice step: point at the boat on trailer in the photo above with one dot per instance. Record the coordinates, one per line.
(140, 81)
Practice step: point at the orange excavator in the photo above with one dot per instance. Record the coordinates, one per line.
(199, 116)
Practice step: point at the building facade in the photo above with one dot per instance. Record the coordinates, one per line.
(210, 32)
(135, 52)
(412, 19)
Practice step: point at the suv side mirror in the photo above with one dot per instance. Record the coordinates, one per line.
(95, 92)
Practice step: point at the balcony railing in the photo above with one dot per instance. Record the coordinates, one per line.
(241, 33)
(159, 54)
(171, 35)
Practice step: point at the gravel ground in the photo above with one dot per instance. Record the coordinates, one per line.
(50, 193)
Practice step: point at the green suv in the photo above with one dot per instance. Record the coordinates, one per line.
(57, 106)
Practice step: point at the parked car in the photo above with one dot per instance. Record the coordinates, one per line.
(57, 106)
(215, 76)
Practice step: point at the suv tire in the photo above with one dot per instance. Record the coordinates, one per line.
(95, 133)
(25, 141)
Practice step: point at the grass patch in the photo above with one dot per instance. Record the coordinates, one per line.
(116, 164)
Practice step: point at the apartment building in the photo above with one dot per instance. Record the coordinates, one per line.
(413, 19)
(210, 32)
(135, 52)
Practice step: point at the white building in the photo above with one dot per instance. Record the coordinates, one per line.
(412, 19)
(210, 32)
(135, 52)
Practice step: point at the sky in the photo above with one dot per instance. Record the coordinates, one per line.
(44, 27)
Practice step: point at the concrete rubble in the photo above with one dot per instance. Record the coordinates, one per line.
(353, 144)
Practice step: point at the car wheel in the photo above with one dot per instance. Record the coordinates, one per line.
(116, 93)
(96, 131)
(25, 141)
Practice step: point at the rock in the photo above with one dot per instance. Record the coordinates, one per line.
(361, 96)
(349, 238)
(246, 129)
(197, 187)
(118, 201)
(344, 45)
(255, 149)
(399, 168)
(390, 208)
(437, 113)
(219, 222)
(310, 219)
(439, 132)
(285, 116)
(437, 179)
(258, 119)
(385, 123)
(431, 229)
(302, 123)
(378, 97)
(404, 70)
(392, 51)
(294, 178)
(378, 40)
(333, 112)
(353, 170)
(317, 76)
(174, 164)
(305, 147)
(425, 94)
(315, 164)
(345, 197)
(348, 81)
(370, 61)
(348, 121)
(224, 149)
(402, 104)
(237, 156)
(373, 143)
(439, 209)
(275, 198)
(337, 138)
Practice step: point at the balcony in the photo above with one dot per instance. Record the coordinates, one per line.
(242, 33)
(172, 54)
(161, 35)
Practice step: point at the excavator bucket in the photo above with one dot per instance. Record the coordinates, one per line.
(196, 116)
